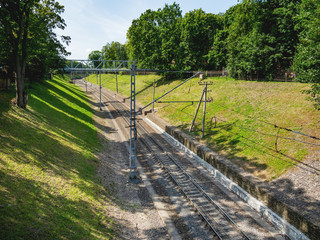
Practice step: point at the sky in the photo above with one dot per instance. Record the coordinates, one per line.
(92, 24)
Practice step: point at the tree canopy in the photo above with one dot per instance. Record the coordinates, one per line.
(307, 58)
(114, 51)
(255, 39)
(153, 39)
(29, 45)
(96, 56)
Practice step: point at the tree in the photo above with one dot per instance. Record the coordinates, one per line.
(218, 54)
(262, 39)
(307, 58)
(143, 40)
(197, 34)
(95, 55)
(169, 19)
(153, 38)
(28, 28)
(114, 51)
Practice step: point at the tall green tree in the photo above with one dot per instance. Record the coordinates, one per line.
(153, 38)
(218, 54)
(262, 38)
(44, 51)
(28, 27)
(169, 19)
(307, 58)
(114, 51)
(143, 39)
(198, 29)
(96, 56)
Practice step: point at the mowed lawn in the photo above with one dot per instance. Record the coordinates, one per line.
(48, 183)
(241, 119)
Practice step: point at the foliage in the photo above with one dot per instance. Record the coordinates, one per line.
(255, 39)
(153, 38)
(29, 44)
(114, 51)
(262, 39)
(197, 34)
(307, 59)
(217, 56)
(95, 56)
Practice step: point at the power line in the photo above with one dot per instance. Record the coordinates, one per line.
(268, 134)
(272, 124)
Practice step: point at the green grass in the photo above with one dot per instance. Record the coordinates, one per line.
(240, 108)
(48, 183)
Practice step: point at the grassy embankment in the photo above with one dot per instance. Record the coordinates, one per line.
(48, 183)
(241, 108)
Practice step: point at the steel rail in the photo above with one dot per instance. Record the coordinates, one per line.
(182, 189)
(198, 187)
(208, 197)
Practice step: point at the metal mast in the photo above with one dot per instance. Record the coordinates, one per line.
(133, 130)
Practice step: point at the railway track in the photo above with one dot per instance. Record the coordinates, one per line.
(215, 217)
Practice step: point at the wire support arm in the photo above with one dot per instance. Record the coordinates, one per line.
(140, 110)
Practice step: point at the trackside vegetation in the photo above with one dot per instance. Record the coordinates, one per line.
(241, 119)
(48, 183)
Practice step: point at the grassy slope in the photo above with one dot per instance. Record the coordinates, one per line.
(235, 134)
(48, 183)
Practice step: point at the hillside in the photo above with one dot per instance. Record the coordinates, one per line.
(247, 121)
(48, 183)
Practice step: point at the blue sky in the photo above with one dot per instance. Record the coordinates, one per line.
(93, 23)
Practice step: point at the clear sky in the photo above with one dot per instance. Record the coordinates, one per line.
(93, 23)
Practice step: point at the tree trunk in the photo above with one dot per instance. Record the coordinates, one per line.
(20, 94)
(21, 60)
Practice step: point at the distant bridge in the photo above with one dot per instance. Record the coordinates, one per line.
(77, 65)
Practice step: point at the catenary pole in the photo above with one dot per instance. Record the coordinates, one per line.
(204, 109)
(100, 87)
(195, 116)
(133, 130)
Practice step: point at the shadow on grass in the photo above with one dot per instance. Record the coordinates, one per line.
(225, 144)
(29, 210)
(71, 88)
(5, 100)
(173, 78)
(48, 183)
(149, 86)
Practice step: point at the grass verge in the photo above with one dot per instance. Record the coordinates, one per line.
(240, 120)
(48, 183)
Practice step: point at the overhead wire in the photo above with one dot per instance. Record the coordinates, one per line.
(268, 134)
(268, 123)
